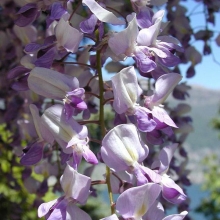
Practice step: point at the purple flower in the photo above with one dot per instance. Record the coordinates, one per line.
(27, 14)
(33, 153)
(170, 190)
(54, 85)
(64, 33)
(156, 212)
(134, 202)
(122, 149)
(126, 90)
(76, 189)
(71, 136)
(56, 12)
(163, 87)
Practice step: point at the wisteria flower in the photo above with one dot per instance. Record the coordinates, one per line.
(33, 153)
(126, 90)
(134, 202)
(122, 149)
(71, 136)
(55, 85)
(76, 190)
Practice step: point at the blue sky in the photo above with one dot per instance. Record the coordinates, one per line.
(208, 71)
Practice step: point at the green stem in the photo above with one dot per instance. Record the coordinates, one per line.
(102, 123)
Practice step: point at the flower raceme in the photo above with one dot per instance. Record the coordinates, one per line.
(123, 150)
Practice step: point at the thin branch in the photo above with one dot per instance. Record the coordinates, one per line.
(75, 9)
(89, 122)
(108, 85)
(96, 141)
(108, 100)
(93, 77)
(120, 180)
(194, 8)
(214, 59)
(77, 63)
(91, 93)
(96, 182)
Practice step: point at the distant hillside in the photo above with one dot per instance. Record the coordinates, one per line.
(205, 104)
(204, 140)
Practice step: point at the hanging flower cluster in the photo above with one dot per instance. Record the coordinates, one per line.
(61, 76)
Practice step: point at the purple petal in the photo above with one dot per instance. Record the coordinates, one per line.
(170, 60)
(165, 157)
(32, 154)
(77, 158)
(32, 47)
(163, 117)
(89, 156)
(144, 17)
(164, 86)
(64, 34)
(47, 59)
(120, 119)
(58, 210)
(155, 137)
(144, 122)
(57, 11)
(75, 213)
(147, 36)
(42, 131)
(88, 25)
(101, 13)
(171, 191)
(44, 208)
(124, 41)
(134, 202)
(121, 181)
(68, 111)
(126, 90)
(190, 71)
(75, 185)
(27, 14)
(176, 216)
(170, 43)
(78, 103)
(50, 83)
(155, 212)
(17, 72)
(150, 174)
(144, 63)
(141, 179)
(26, 34)
(122, 147)
(21, 84)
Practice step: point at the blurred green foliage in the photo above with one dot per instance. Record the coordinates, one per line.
(19, 202)
(210, 205)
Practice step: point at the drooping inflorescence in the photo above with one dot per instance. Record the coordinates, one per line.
(64, 50)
